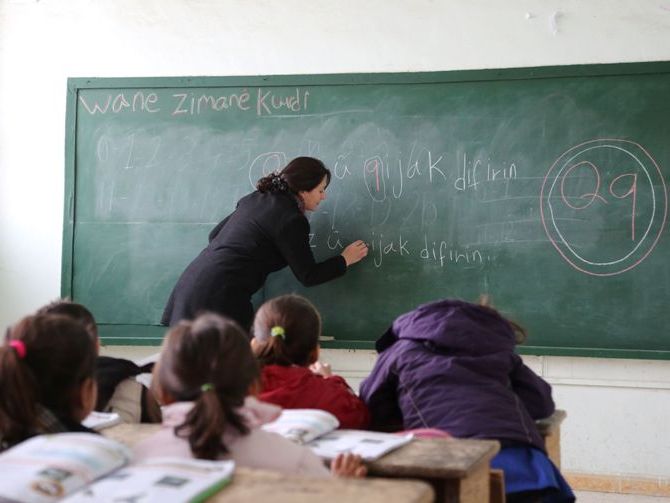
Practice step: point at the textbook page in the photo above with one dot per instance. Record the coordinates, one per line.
(159, 480)
(302, 425)
(369, 445)
(317, 429)
(47, 467)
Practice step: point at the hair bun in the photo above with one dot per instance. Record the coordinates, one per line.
(274, 182)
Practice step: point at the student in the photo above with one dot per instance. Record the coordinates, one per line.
(47, 385)
(451, 365)
(118, 390)
(286, 342)
(203, 377)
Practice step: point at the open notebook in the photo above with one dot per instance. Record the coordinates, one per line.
(85, 467)
(317, 429)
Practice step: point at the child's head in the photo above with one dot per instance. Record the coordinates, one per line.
(207, 361)
(77, 312)
(46, 361)
(286, 332)
(520, 334)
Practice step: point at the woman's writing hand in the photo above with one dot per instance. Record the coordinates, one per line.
(348, 465)
(355, 252)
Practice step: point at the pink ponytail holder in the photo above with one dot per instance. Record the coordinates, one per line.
(19, 347)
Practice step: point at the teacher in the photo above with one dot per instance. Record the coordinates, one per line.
(267, 231)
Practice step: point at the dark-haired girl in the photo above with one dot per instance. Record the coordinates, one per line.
(286, 342)
(118, 390)
(204, 377)
(47, 385)
(267, 231)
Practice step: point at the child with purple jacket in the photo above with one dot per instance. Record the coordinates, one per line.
(451, 365)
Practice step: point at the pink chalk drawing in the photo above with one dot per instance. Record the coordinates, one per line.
(373, 173)
(604, 205)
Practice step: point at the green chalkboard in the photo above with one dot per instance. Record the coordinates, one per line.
(543, 187)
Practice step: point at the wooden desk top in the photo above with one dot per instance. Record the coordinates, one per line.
(259, 485)
(423, 458)
(435, 458)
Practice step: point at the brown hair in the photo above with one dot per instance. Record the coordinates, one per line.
(77, 312)
(59, 357)
(207, 361)
(520, 333)
(301, 174)
(300, 323)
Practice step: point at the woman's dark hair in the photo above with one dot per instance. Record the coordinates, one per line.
(297, 327)
(520, 333)
(208, 361)
(77, 312)
(52, 356)
(301, 174)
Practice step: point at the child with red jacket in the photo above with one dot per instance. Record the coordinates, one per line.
(286, 343)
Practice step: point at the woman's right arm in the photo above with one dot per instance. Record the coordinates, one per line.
(355, 252)
(293, 243)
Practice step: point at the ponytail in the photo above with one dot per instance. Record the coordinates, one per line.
(208, 420)
(43, 362)
(272, 350)
(18, 407)
(208, 362)
(286, 331)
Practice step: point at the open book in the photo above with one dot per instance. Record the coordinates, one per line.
(159, 480)
(317, 430)
(48, 468)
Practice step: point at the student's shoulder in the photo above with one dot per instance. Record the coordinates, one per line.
(267, 450)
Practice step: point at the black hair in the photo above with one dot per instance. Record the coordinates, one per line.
(301, 174)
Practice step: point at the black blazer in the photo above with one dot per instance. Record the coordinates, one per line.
(265, 233)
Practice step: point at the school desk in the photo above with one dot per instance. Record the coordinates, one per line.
(550, 429)
(457, 469)
(260, 485)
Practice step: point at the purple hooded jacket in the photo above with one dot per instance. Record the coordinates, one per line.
(451, 365)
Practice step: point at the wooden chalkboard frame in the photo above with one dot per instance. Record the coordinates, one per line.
(153, 335)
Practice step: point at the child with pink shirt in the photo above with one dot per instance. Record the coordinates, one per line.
(204, 376)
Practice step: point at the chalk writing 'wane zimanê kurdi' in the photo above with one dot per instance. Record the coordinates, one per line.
(261, 101)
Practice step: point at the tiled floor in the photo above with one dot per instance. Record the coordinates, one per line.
(591, 497)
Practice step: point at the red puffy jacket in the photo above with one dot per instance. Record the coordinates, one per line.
(300, 388)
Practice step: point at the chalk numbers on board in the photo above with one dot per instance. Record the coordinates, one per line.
(604, 205)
